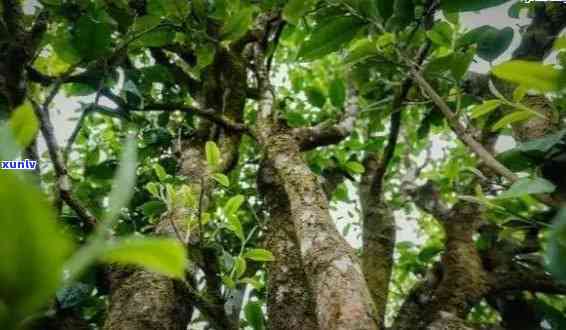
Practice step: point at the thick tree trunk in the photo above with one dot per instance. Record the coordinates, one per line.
(459, 281)
(333, 270)
(290, 304)
(145, 300)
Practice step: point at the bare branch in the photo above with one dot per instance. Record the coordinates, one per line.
(63, 181)
(209, 114)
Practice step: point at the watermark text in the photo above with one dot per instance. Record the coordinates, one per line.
(25, 164)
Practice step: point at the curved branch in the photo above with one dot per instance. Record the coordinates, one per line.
(325, 134)
(63, 181)
(461, 131)
(526, 280)
(209, 114)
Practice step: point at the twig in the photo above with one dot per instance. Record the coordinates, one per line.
(63, 182)
(460, 130)
(209, 114)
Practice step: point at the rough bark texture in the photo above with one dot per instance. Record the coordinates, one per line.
(331, 266)
(460, 280)
(145, 300)
(537, 41)
(378, 237)
(290, 304)
(464, 280)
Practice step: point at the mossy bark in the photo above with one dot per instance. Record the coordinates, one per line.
(331, 266)
(378, 237)
(290, 304)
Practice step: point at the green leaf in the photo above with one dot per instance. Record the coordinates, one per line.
(228, 281)
(259, 255)
(212, 154)
(541, 146)
(240, 266)
(461, 63)
(315, 96)
(355, 167)
(233, 205)
(484, 108)
(200, 8)
(160, 172)
(254, 315)
(515, 160)
(222, 179)
(519, 94)
(153, 208)
(178, 9)
(235, 226)
(512, 118)
(441, 34)
(385, 8)
(491, 42)
(92, 36)
(33, 250)
(124, 182)
(294, 10)
(556, 251)
(8, 147)
(467, 5)
(361, 50)
(24, 124)
(337, 93)
(151, 33)
(256, 284)
(161, 255)
(329, 36)
(102, 171)
(403, 14)
(528, 186)
(238, 24)
(533, 75)
(205, 56)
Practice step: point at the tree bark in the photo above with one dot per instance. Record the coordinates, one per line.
(378, 237)
(333, 270)
(290, 304)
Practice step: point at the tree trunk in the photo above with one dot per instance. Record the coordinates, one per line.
(290, 304)
(378, 237)
(331, 266)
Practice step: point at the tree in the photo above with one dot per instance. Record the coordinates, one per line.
(219, 143)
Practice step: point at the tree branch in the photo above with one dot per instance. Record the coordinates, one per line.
(325, 134)
(63, 181)
(427, 198)
(209, 114)
(461, 131)
(526, 280)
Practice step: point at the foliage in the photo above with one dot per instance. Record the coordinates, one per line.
(126, 165)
